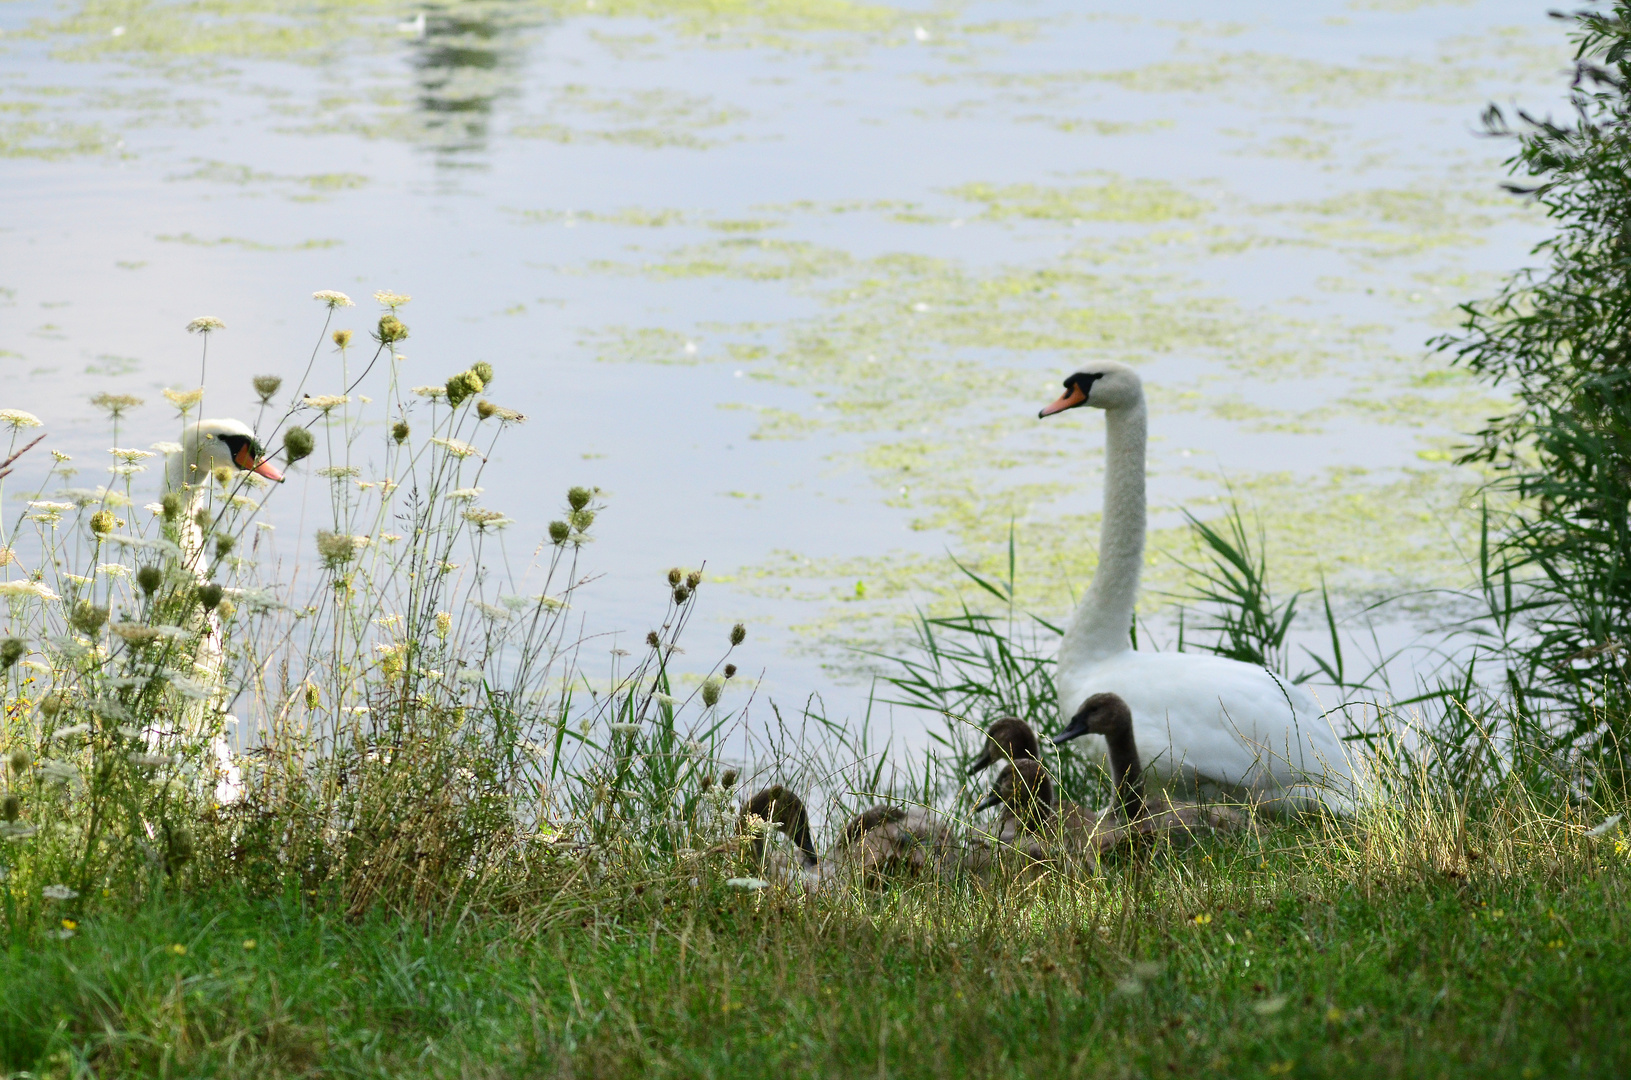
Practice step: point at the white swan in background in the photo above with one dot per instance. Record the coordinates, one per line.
(206, 446)
(1199, 718)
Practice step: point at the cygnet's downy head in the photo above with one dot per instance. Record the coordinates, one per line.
(1025, 790)
(1103, 384)
(1007, 739)
(785, 810)
(1101, 714)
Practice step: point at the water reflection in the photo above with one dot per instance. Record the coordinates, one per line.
(465, 59)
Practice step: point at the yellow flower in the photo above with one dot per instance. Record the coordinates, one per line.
(1202, 919)
(69, 924)
(249, 944)
(177, 950)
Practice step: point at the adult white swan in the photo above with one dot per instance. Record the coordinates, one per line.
(1200, 718)
(205, 447)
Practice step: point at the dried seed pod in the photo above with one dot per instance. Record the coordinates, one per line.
(739, 634)
(681, 594)
(559, 531)
(266, 386)
(11, 808)
(653, 640)
(399, 432)
(103, 522)
(21, 760)
(342, 338)
(711, 689)
(730, 671)
(693, 579)
(578, 497)
(728, 781)
(484, 372)
(12, 650)
(210, 596)
(675, 576)
(223, 545)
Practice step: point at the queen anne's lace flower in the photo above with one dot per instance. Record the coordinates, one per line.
(58, 892)
(332, 298)
(456, 447)
(431, 391)
(391, 300)
(324, 402)
(184, 399)
(36, 589)
(17, 419)
(205, 324)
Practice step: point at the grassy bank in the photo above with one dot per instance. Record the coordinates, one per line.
(1291, 954)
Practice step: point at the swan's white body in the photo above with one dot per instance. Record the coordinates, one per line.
(189, 471)
(1196, 718)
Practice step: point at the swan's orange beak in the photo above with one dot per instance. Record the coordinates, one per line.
(1072, 397)
(247, 462)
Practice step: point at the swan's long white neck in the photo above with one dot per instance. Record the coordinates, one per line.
(1103, 621)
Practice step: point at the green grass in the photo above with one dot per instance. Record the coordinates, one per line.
(1302, 964)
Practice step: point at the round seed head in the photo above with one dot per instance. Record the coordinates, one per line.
(693, 579)
(266, 386)
(21, 760)
(559, 531)
(399, 432)
(298, 443)
(462, 386)
(681, 594)
(739, 634)
(484, 372)
(202, 519)
(710, 691)
(730, 671)
(88, 618)
(581, 520)
(172, 505)
(728, 781)
(342, 338)
(50, 705)
(226, 610)
(675, 576)
(577, 498)
(11, 651)
(210, 596)
(223, 545)
(486, 409)
(103, 522)
(707, 782)
(149, 578)
(653, 640)
(391, 329)
(11, 808)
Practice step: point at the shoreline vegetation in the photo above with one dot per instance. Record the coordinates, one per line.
(353, 805)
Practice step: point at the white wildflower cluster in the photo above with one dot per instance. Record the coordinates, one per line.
(205, 324)
(324, 403)
(332, 298)
(338, 548)
(17, 419)
(456, 447)
(432, 392)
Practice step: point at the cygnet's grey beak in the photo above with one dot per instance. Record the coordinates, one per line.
(1066, 735)
(981, 762)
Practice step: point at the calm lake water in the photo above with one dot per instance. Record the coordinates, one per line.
(788, 281)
